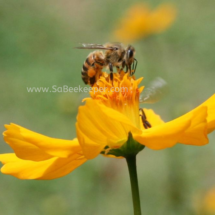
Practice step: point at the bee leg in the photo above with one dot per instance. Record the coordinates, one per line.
(134, 66)
(146, 124)
(126, 68)
(129, 69)
(132, 69)
(111, 72)
(123, 65)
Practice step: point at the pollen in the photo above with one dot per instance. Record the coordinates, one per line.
(91, 72)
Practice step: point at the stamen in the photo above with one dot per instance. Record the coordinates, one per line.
(119, 91)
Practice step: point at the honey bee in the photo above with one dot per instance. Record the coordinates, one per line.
(114, 55)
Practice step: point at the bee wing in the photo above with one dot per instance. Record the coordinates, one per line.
(93, 46)
(154, 92)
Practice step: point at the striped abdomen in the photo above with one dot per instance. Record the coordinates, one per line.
(90, 69)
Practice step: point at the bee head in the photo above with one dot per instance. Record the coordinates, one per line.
(130, 51)
(130, 61)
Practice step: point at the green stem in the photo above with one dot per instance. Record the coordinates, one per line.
(131, 161)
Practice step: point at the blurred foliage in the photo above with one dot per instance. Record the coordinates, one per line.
(37, 40)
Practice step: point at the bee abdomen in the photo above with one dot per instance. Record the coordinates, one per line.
(84, 77)
(84, 72)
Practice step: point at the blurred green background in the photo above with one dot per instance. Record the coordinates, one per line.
(37, 40)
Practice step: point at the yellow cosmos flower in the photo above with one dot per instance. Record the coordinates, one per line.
(140, 21)
(108, 117)
(110, 124)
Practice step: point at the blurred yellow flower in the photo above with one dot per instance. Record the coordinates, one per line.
(110, 123)
(209, 202)
(140, 21)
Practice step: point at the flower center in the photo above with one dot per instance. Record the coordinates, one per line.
(121, 94)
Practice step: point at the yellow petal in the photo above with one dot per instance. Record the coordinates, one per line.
(163, 135)
(26, 143)
(90, 148)
(99, 126)
(25, 150)
(188, 129)
(46, 170)
(210, 104)
(196, 134)
(152, 118)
